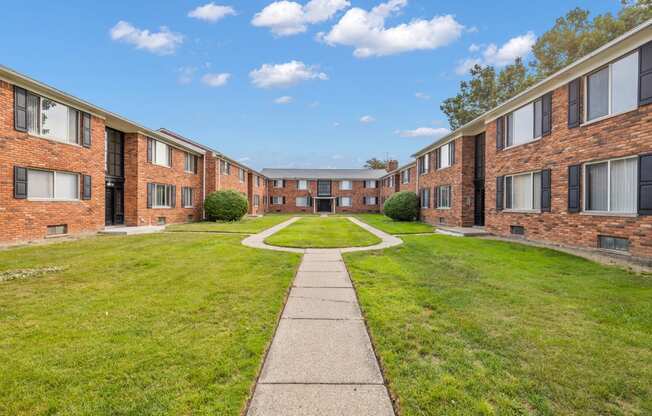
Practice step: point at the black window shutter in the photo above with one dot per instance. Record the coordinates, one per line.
(645, 74)
(170, 156)
(196, 163)
(500, 133)
(150, 150)
(500, 183)
(86, 130)
(86, 187)
(283, 200)
(574, 116)
(437, 158)
(645, 185)
(150, 195)
(574, 180)
(451, 153)
(508, 192)
(173, 196)
(364, 200)
(364, 184)
(337, 201)
(283, 185)
(546, 190)
(546, 116)
(20, 109)
(20, 182)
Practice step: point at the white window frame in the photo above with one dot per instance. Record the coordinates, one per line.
(449, 188)
(303, 204)
(427, 204)
(155, 152)
(585, 88)
(347, 205)
(184, 197)
(165, 187)
(369, 182)
(190, 163)
(256, 200)
(441, 159)
(302, 188)
(38, 116)
(225, 167)
(531, 209)
(347, 188)
(423, 163)
(278, 183)
(276, 200)
(507, 117)
(242, 175)
(585, 194)
(405, 174)
(54, 184)
(367, 198)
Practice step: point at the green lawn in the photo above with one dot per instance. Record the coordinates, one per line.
(477, 327)
(323, 232)
(247, 225)
(390, 226)
(163, 324)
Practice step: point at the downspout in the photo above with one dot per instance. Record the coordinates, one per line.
(203, 190)
(219, 174)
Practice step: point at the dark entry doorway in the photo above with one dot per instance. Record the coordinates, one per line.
(478, 180)
(114, 204)
(324, 205)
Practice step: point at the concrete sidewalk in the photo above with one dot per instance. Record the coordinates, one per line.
(321, 362)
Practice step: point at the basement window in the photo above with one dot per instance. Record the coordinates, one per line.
(613, 243)
(161, 221)
(517, 230)
(57, 230)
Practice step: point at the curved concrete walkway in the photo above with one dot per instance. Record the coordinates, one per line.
(321, 362)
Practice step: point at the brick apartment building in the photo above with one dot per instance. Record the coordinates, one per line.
(568, 161)
(323, 190)
(397, 179)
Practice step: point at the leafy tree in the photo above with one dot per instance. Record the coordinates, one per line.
(402, 206)
(573, 36)
(226, 205)
(374, 163)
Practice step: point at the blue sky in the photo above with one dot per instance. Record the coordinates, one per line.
(365, 78)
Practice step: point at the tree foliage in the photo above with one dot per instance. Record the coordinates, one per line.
(374, 163)
(572, 36)
(225, 206)
(402, 206)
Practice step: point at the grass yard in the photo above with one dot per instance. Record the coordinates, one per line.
(247, 225)
(390, 226)
(323, 232)
(477, 327)
(165, 324)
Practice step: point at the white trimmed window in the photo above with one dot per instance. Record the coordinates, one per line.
(52, 120)
(257, 181)
(345, 201)
(424, 164)
(369, 184)
(163, 196)
(277, 200)
(225, 167)
(302, 185)
(611, 186)
(405, 176)
(346, 185)
(256, 200)
(523, 191)
(278, 183)
(161, 153)
(525, 124)
(444, 194)
(301, 201)
(190, 164)
(241, 174)
(424, 196)
(370, 200)
(187, 197)
(612, 89)
(49, 185)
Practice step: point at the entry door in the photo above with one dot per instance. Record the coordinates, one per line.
(114, 204)
(324, 205)
(479, 204)
(479, 180)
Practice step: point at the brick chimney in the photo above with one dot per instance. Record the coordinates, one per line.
(392, 165)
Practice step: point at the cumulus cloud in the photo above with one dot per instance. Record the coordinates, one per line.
(367, 119)
(286, 18)
(285, 75)
(422, 95)
(211, 12)
(430, 132)
(286, 99)
(163, 42)
(216, 80)
(366, 32)
(516, 47)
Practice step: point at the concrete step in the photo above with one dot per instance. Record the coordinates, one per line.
(462, 231)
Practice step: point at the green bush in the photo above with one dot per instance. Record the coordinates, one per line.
(225, 206)
(402, 206)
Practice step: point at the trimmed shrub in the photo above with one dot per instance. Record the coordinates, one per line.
(225, 206)
(402, 206)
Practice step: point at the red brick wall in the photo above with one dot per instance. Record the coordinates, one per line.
(256, 187)
(290, 192)
(23, 220)
(460, 177)
(358, 193)
(136, 211)
(628, 134)
(232, 181)
(412, 185)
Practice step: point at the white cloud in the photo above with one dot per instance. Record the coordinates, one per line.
(286, 99)
(244, 159)
(336, 124)
(216, 80)
(211, 12)
(422, 95)
(425, 132)
(186, 74)
(367, 119)
(286, 18)
(163, 42)
(284, 75)
(516, 47)
(366, 32)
